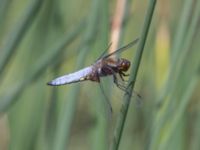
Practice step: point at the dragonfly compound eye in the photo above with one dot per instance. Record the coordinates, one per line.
(124, 65)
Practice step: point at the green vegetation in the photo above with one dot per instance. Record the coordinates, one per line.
(40, 40)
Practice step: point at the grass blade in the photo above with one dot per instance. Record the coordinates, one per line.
(122, 118)
(67, 112)
(19, 32)
(7, 99)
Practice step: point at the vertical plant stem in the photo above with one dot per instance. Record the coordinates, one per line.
(67, 113)
(137, 59)
(117, 23)
(182, 27)
(19, 32)
(178, 46)
(163, 114)
(8, 99)
(99, 136)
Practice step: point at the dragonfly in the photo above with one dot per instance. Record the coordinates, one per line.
(104, 66)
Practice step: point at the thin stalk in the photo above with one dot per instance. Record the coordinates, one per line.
(99, 137)
(178, 46)
(182, 27)
(117, 21)
(186, 85)
(162, 114)
(137, 59)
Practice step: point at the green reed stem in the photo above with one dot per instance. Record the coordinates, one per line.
(137, 59)
(19, 32)
(7, 99)
(67, 112)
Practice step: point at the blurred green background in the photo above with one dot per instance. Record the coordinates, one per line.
(40, 40)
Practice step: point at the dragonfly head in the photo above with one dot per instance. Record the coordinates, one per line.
(123, 64)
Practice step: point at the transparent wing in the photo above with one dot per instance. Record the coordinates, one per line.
(104, 51)
(122, 48)
(107, 101)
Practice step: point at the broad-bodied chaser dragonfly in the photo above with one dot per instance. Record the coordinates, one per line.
(104, 66)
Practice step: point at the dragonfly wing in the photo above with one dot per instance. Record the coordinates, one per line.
(72, 77)
(107, 102)
(103, 54)
(122, 48)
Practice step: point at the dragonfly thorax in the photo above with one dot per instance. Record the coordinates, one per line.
(123, 64)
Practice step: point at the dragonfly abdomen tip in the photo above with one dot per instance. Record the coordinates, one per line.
(50, 83)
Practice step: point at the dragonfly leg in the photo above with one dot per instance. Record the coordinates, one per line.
(122, 75)
(108, 104)
(123, 88)
(120, 86)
